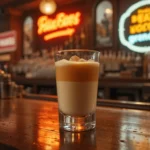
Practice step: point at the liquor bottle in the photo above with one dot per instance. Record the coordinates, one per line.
(66, 44)
(128, 57)
(138, 60)
(145, 65)
(60, 47)
(101, 65)
(71, 44)
(77, 43)
(83, 38)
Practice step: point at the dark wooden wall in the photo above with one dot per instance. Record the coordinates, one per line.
(4, 22)
(88, 12)
(12, 21)
(86, 22)
(16, 24)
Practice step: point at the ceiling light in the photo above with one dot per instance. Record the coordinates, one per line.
(48, 7)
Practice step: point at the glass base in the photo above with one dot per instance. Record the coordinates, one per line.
(77, 124)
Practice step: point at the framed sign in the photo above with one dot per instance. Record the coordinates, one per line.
(103, 22)
(8, 41)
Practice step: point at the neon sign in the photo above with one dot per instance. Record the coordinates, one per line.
(68, 31)
(62, 25)
(137, 35)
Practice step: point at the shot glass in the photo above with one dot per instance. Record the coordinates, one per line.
(77, 73)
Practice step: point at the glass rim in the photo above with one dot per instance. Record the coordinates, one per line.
(78, 50)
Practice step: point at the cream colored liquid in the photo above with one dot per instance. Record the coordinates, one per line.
(77, 84)
(77, 98)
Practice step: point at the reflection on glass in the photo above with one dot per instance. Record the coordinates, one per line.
(50, 137)
(104, 23)
(74, 140)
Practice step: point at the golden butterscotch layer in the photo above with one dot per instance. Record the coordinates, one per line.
(77, 71)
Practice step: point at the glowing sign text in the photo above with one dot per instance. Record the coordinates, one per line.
(62, 20)
(68, 31)
(139, 28)
(139, 38)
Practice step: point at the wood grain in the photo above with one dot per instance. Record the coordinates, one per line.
(33, 125)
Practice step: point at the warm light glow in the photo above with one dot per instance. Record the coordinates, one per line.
(138, 28)
(48, 129)
(140, 22)
(108, 11)
(62, 20)
(62, 25)
(47, 7)
(68, 31)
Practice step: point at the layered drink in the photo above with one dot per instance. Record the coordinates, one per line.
(77, 84)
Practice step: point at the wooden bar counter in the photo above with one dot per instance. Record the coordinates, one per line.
(27, 124)
(139, 86)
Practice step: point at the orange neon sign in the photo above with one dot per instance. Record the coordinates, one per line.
(65, 23)
(68, 31)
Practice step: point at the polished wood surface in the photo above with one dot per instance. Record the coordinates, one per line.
(100, 102)
(33, 125)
